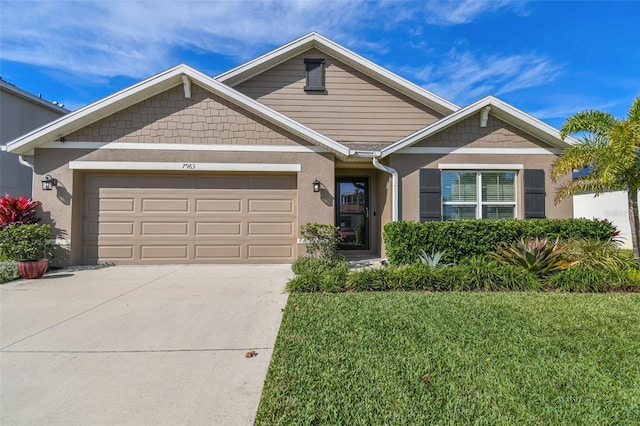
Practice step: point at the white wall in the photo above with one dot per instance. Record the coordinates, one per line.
(610, 205)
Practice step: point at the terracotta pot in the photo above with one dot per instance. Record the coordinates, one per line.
(31, 269)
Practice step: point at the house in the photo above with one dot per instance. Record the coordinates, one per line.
(20, 111)
(186, 168)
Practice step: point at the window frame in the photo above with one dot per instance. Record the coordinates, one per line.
(479, 203)
(319, 62)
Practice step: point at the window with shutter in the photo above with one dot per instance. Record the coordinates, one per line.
(315, 74)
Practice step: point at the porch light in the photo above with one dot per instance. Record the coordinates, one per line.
(316, 185)
(48, 183)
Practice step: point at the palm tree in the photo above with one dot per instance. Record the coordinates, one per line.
(610, 150)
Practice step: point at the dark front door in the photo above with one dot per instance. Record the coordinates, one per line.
(352, 212)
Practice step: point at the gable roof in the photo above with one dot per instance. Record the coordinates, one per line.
(505, 112)
(312, 40)
(153, 86)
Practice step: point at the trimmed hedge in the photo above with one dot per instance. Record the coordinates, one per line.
(467, 238)
(8, 271)
(473, 274)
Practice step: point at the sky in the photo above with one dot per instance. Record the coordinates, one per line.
(550, 59)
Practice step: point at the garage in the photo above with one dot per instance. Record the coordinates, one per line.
(141, 218)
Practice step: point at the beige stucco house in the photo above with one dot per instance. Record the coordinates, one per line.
(20, 111)
(186, 168)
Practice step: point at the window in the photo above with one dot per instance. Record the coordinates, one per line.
(315, 74)
(478, 195)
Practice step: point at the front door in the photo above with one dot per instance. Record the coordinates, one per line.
(352, 212)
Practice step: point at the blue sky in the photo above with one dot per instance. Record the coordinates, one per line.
(548, 58)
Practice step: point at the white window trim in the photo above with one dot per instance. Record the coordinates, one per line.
(482, 167)
(478, 204)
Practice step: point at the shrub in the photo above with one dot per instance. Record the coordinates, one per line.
(370, 280)
(9, 271)
(321, 239)
(588, 279)
(598, 254)
(17, 210)
(25, 242)
(466, 238)
(316, 274)
(481, 274)
(537, 256)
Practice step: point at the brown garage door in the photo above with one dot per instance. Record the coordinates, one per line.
(147, 219)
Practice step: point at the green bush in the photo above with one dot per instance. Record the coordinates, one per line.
(482, 274)
(370, 280)
(9, 271)
(26, 242)
(585, 279)
(321, 239)
(599, 254)
(316, 274)
(404, 240)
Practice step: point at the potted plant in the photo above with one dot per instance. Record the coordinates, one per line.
(29, 245)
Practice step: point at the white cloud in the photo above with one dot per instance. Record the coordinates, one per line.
(136, 39)
(464, 77)
(454, 12)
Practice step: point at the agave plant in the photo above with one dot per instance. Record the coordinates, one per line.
(537, 256)
(432, 260)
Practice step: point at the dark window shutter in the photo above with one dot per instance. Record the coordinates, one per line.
(534, 194)
(430, 195)
(315, 74)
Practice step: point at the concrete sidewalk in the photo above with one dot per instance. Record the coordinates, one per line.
(159, 345)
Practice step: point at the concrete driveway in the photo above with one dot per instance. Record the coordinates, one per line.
(161, 345)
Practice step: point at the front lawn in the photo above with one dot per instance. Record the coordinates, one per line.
(456, 358)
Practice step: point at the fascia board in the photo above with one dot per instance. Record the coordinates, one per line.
(254, 67)
(506, 113)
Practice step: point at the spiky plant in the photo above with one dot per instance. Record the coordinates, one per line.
(433, 260)
(537, 256)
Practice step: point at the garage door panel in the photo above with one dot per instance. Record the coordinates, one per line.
(213, 252)
(177, 205)
(155, 252)
(269, 251)
(206, 229)
(270, 228)
(232, 205)
(164, 228)
(270, 206)
(205, 219)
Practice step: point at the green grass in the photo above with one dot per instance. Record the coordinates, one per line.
(456, 358)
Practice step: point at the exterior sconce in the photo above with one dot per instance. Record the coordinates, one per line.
(316, 185)
(48, 183)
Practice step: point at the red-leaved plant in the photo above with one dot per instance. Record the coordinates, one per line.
(19, 210)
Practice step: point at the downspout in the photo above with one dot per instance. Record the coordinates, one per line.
(24, 162)
(394, 187)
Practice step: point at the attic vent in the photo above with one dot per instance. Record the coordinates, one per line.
(315, 74)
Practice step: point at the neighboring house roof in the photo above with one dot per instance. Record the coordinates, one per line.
(314, 40)
(153, 86)
(55, 107)
(495, 107)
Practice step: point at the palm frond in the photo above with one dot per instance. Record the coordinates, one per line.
(592, 121)
(634, 111)
(589, 183)
(577, 157)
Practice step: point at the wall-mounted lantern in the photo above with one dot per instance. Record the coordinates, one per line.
(48, 183)
(316, 185)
